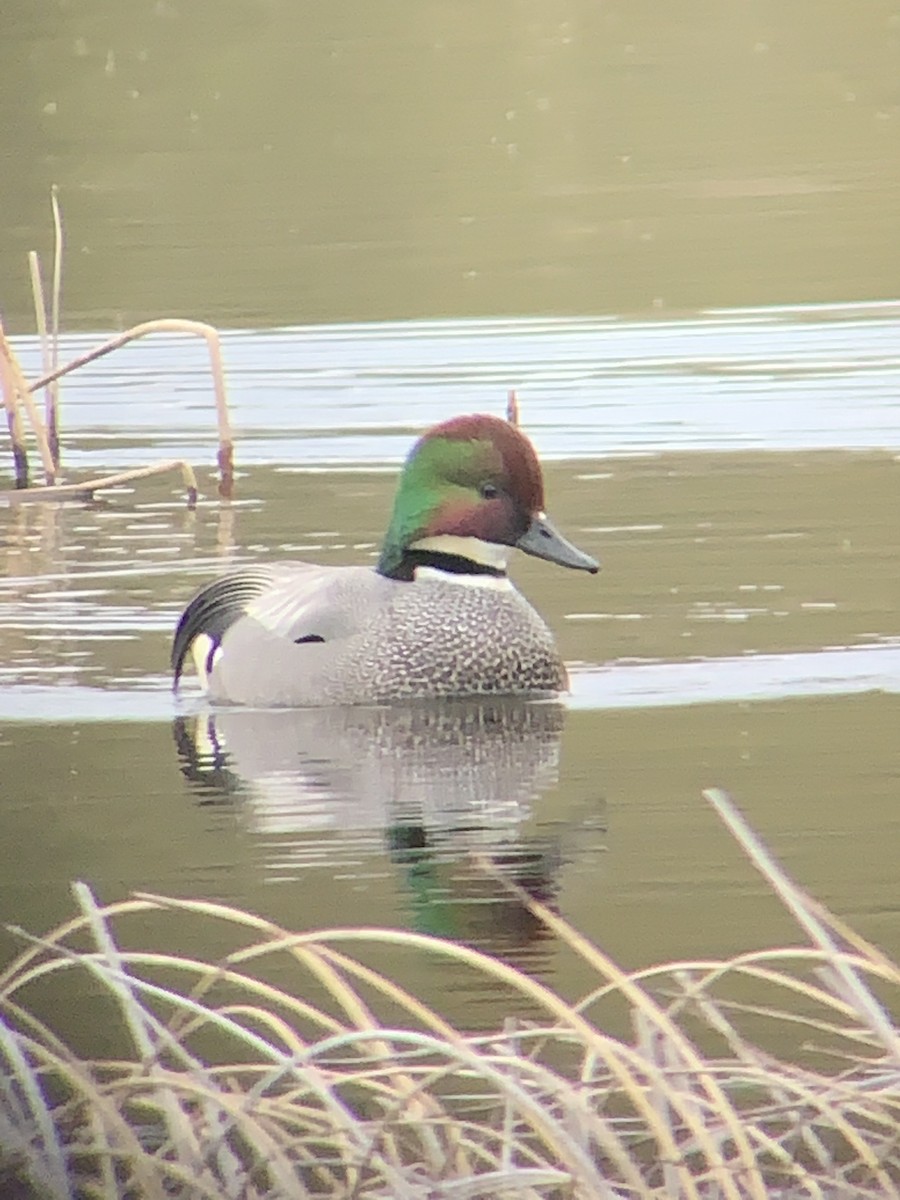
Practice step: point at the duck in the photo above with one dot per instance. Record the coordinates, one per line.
(436, 616)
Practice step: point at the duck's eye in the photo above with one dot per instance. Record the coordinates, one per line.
(489, 491)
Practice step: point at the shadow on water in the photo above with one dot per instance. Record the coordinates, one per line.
(446, 787)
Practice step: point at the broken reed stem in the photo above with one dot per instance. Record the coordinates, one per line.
(21, 390)
(40, 317)
(210, 335)
(87, 487)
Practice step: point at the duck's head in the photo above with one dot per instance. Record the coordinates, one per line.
(470, 490)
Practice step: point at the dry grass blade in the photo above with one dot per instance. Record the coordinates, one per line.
(853, 989)
(627, 1070)
(343, 1083)
(141, 1029)
(26, 1119)
(500, 1183)
(678, 1043)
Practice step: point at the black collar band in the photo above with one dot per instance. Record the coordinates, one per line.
(453, 564)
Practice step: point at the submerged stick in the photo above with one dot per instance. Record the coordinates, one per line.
(225, 457)
(86, 489)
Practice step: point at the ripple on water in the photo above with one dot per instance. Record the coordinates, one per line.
(807, 377)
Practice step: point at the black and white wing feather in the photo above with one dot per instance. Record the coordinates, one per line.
(214, 609)
(298, 603)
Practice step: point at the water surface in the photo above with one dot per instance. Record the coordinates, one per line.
(673, 230)
(742, 633)
(268, 164)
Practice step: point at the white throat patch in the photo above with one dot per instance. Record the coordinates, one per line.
(486, 554)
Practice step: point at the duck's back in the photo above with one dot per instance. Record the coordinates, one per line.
(351, 636)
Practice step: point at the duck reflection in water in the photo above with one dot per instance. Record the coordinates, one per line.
(447, 785)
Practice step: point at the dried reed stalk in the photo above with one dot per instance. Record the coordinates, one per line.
(16, 391)
(86, 489)
(55, 299)
(40, 316)
(22, 392)
(342, 1083)
(14, 423)
(210, 335)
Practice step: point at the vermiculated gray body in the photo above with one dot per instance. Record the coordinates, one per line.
(378, 640)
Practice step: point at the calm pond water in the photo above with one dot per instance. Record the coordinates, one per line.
(674, 231)
(742, 633)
